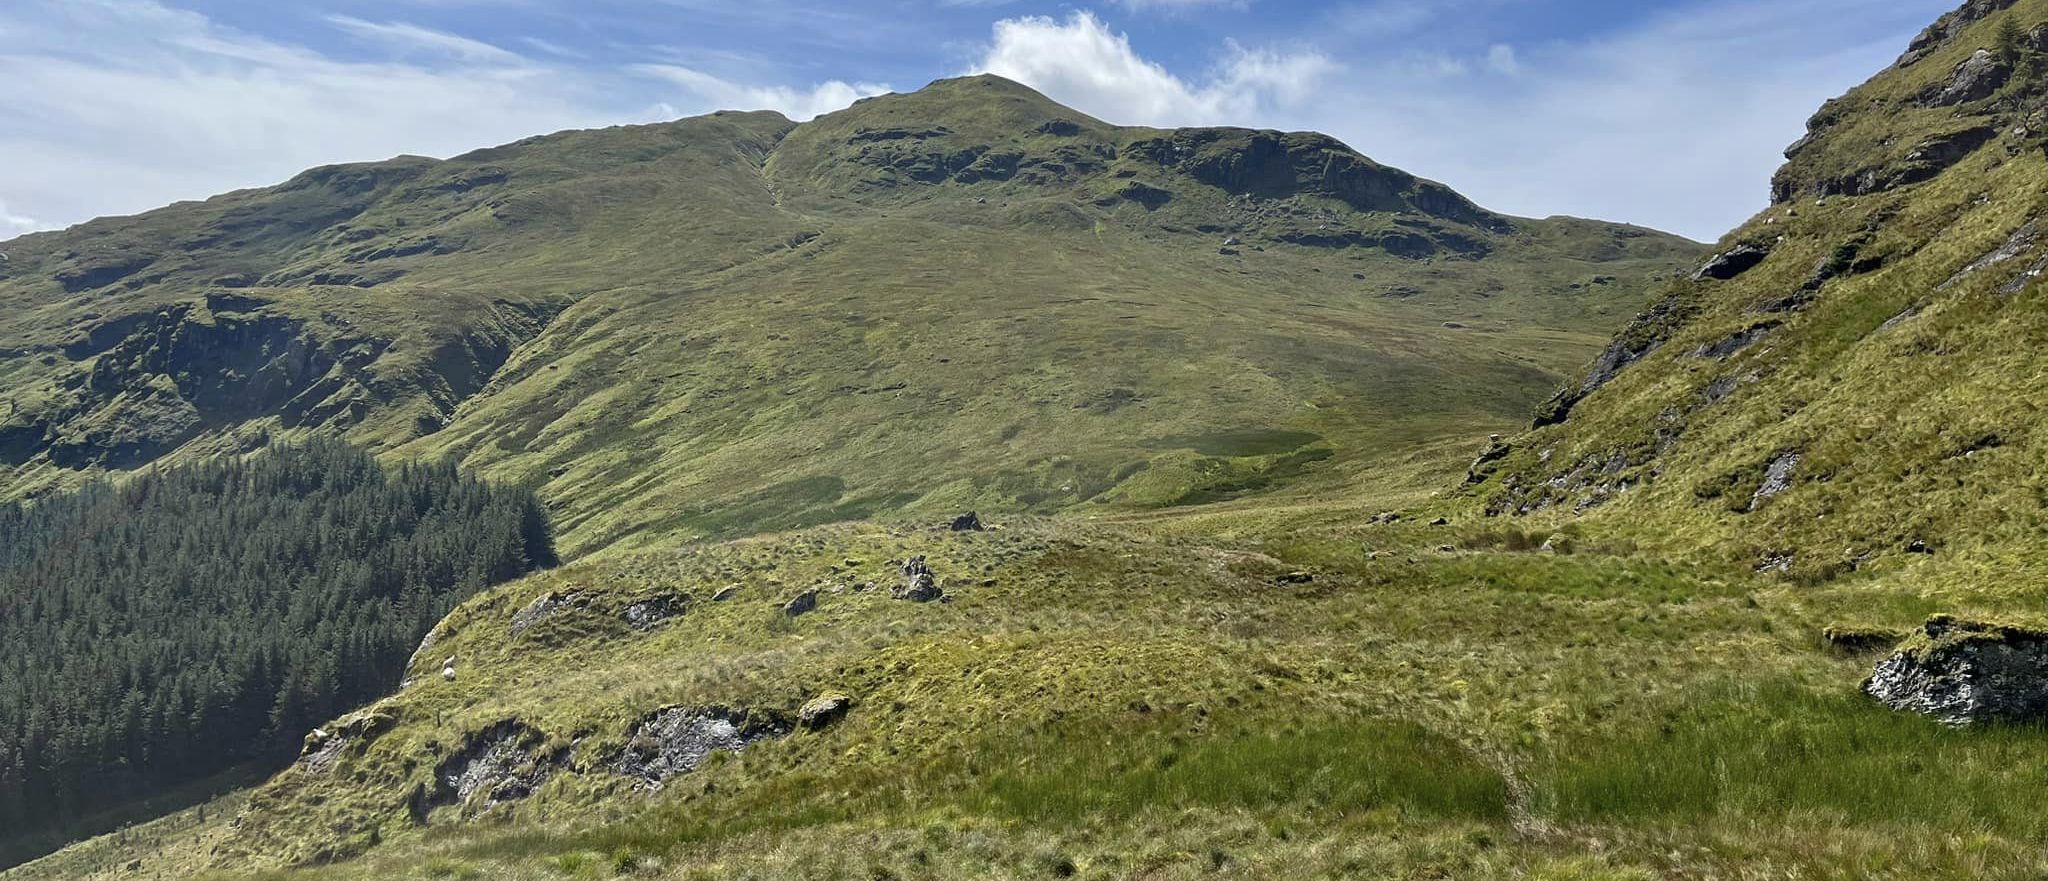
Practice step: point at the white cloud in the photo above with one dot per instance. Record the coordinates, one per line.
(412, 38)
(12, 224)
(798, 104)
(120, 106)
(1675, 123)
(1083, 63)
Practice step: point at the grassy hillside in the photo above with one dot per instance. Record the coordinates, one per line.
(1862, 406)
(964, 297)
(1100, 701)
(1577, 667)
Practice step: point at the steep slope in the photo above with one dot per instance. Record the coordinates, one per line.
(964, 297)
(1853, 382)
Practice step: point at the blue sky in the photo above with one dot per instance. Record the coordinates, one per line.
(1669, 113)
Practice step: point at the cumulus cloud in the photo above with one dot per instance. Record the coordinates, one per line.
(798, 104)
(1673, 123)
(1083, 63)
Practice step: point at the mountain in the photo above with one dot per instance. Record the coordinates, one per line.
(1616, 645)
(1849, 387)
(964, 297)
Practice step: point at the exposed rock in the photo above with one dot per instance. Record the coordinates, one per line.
(323, 747)
(823, 710)
(1977, 78)
(652, 612)
(1494, 452)
(545, 605)
(919, 584)
(1732, 262)
(968, 522)
(676, 740)
(1296, 577)
(1735, 342)
(426, 645)
(725, 593)
(801, 603)
(1777, 478)
(1945, 28)
(505, 762)
(1641, 338)
(1962, 672)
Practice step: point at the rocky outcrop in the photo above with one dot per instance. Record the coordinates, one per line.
(1495, 451)
(1777, 478)
(1977, 78)
(919, 584)
(323, 747)
(1643, 337)
(653, 612)
(503, 763)
(1963, 672)
(968, 522)
(1732, 262)
(673, 741)
(546, 606)
(1945, 28)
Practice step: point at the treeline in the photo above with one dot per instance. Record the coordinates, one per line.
(191, 620)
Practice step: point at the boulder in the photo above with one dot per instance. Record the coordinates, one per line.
(801, 603)
(1962, 672)
(968, 522)
(448, 669)
(725, 593)
(823, 710)
(919, 584)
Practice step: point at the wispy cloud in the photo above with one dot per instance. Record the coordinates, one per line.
(12, 224)
(412, 38)
(119, 106)
(799, 104)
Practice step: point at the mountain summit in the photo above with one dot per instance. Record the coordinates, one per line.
(964, 297)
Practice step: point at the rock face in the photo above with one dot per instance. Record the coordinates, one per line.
(919, 585)
(1974, 80)
(505, 762)
(1962, 672)
(673, 741)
